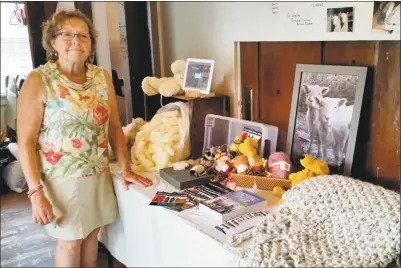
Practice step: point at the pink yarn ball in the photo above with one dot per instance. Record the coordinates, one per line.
(279, 165)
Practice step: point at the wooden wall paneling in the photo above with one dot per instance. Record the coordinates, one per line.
(85, 7)
(385, 112)
(35, 14)
(249, 54)
(358, 53)
(50, 7)
(377, 150)
(277, 63)
(139, 53)
(198, 109)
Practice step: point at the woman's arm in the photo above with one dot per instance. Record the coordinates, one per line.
(30, 109)
(117, 140)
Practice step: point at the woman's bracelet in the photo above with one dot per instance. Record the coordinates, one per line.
(37, 187)
(126, 170)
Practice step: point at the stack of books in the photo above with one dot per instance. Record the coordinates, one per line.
(231, 205)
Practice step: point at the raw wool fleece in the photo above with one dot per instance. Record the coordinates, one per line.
(327, 221)
(164, 140)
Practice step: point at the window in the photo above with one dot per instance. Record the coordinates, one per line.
(15, 49)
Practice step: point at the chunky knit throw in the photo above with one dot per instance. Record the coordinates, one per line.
(327, 221)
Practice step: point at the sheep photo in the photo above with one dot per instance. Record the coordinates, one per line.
(340, 19)
(386, 17)
(324, 115)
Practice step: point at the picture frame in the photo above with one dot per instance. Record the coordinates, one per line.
(198, 75)
(325, 112)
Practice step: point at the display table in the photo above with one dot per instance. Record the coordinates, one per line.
(147, 235)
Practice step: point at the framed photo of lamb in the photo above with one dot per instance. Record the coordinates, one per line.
(198, 75)
(325, 111)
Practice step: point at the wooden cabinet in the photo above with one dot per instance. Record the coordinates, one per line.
(198, 109)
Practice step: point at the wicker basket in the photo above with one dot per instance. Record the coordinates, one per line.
(263, 183)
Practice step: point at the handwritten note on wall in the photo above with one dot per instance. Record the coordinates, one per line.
(295, 18)
(299, 20)
(275, 8)
(317, 4)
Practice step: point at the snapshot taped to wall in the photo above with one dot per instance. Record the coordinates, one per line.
(340, 19)
(198, 75)
(386, 17)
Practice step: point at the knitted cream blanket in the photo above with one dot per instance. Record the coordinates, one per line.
(327, 221)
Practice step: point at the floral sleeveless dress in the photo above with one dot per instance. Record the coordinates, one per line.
(72, 151)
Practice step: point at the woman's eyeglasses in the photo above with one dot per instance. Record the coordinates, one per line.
(68, 36)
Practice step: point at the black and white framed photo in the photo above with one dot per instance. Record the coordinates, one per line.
(325, 111)
(198, 75)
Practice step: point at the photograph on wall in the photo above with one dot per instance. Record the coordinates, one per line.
(340, 19)
(325, 113)
(386, 17)
(198, 75)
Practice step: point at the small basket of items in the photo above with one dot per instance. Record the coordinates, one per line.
(241, 165)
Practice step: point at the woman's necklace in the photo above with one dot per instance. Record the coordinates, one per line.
(79, 80)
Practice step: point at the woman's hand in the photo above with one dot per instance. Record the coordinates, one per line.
(130, 177)
(42, 211)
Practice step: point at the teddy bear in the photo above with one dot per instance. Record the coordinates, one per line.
(234, 146)
(244, 145)
(249, 147)
(256, 161)
(241, 164)
(312, 167)
(317, 166)
(166, 86)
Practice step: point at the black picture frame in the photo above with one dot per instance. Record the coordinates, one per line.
(325, 113)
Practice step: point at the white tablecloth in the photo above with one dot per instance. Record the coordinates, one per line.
(147, 235)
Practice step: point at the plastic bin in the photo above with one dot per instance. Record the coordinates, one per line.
(220, 130)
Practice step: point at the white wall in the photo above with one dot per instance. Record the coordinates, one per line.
(114, 36)
(209, 30)
(195, 30)
(65, 5)
(99, 16)
(106, 22)
(115, 51)
(124, 59)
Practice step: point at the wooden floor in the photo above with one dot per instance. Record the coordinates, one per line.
(25, 244)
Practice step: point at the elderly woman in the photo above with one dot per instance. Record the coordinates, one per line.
(67, 114)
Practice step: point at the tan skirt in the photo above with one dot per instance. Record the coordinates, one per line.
(80, 205)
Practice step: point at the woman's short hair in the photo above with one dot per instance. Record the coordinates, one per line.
(55, 24)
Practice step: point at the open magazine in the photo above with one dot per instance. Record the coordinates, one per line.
(241, 223)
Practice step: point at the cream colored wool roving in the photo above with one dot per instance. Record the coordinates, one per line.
(327, 221)
(164, 140)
